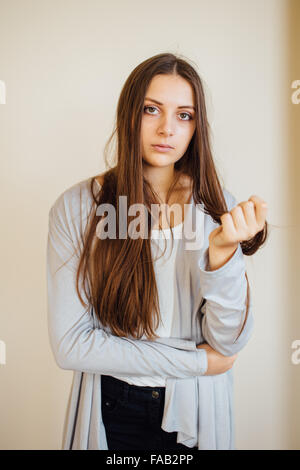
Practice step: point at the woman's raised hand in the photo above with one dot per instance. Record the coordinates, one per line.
(242, 223)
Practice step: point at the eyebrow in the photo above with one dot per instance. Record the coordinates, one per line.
(179, 107)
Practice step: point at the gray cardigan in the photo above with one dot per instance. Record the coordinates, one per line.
(212, 309)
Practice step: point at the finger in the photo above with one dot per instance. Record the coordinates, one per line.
(228, 227)
(238, 218)
(249, 214)
(261, 209)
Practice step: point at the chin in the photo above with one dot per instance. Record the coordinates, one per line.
(160, 164)
(159, 160)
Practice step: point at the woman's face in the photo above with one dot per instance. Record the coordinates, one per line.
(172, 122)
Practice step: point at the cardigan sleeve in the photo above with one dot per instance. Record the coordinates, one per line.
(75, 342)
(225, 292)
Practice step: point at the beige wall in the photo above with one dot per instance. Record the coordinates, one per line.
(293, 235)
(64, 64)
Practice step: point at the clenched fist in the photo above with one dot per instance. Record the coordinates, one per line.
(242, 223)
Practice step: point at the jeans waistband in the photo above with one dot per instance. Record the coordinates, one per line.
(121, 388)
(109, 380)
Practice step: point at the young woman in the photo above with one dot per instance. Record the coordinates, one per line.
(150, 318)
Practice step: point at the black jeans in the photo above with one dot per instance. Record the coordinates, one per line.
(132, 417)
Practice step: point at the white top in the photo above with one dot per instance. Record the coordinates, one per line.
(208, 306)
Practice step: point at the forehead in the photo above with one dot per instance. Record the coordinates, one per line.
(170, 89)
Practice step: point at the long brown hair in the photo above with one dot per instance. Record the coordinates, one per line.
(122, 286)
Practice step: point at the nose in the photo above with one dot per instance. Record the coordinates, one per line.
(165, 127)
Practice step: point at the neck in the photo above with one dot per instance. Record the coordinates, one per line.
(160, 178)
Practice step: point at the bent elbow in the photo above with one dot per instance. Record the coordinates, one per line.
(61, 356)
(63, 363)
(70, 351)
(229, 347)
(62, 360)
(228, 340)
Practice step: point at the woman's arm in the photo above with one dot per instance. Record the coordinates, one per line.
(225, 292)
(77, 345)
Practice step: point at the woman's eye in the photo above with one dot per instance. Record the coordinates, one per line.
(187, 114)
(149, 107)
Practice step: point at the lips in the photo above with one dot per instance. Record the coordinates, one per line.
(162, 145)
(161, 149)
